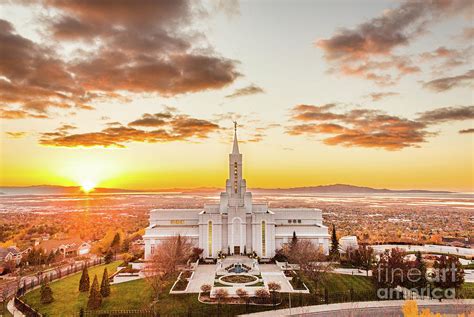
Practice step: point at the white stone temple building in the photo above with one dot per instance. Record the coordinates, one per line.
(236, 224)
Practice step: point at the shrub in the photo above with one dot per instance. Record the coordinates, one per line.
(206, 288)
(46, 294)
(262, 295)
(221, 294)
(274, 286)
(242, 293)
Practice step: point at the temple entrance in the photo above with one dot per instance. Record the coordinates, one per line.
(236, 250)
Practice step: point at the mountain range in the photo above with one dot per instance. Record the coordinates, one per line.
(335, 188)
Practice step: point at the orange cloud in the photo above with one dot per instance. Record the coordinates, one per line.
(367, 50)
(176, 128)
(141, 46)
(371, 128)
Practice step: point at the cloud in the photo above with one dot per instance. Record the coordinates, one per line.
(447, 83)
(468, 33)
(446, 114)
(176, 127)
(367, 50)
(465, 131)
(370, 128)
(246, 91)
(152, 120)
(377, 96)
(450, 57)
(20, 114)
(140, 46)
(16, 135)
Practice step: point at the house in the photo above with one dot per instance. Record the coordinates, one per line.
(10, 254)
(68, 247)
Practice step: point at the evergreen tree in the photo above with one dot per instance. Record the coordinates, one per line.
(293, 243)
(420, 265)
(126, 245)
(334, 252)
(109, 256)
(84, 283)
(46, 294)
(95, 298)
(105, 284)
(115, 245)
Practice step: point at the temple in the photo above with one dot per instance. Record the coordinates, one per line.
(237, 225)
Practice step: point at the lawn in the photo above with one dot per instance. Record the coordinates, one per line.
(68, 299)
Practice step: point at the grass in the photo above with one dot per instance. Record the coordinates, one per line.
(68, 299)
(138, 295)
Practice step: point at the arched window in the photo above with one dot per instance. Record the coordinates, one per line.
(264, 240)
(209, 238)
(235, 177)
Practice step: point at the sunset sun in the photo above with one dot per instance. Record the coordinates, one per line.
(87, 186)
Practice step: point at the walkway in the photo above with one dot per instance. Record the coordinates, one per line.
(204, 274)
(372, 309)
(12, 309)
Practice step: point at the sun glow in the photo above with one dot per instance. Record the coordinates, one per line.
(87, 185)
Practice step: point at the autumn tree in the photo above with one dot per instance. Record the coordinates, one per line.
(166, 258)
(363, 257)
(95, 298)
(309, 258)
(84, 282)
(109, 256)
(391, 270)
(105, 284)
(448, 273)
(262, 295)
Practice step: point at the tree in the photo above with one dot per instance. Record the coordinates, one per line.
(419, 281)
(126, 245)
(334, 251)
(115, 245)
(105, 284)
(168, 256)
(84, 282)
(449, 273)
(46, 293)
(95, 298)
(206, 288)
(391, 269)
(109, 256)
(362, 257)
(309, 258)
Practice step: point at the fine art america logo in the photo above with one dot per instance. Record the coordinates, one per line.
(437, 283)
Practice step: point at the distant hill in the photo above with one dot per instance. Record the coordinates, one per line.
(344, 188)
(336, 188)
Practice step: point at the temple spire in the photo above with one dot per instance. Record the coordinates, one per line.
(235, 149)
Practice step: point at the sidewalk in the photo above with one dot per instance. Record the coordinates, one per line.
(11, 308)
(366, 309)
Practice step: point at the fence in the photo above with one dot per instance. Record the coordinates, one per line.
(55, 274)
(117, 313)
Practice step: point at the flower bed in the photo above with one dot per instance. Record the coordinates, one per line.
(238, 279)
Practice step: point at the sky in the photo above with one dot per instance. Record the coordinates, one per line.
(142, 94)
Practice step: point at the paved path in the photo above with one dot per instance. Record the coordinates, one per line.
(352, 272)
(15, 312)
(372, 309)
(204, 274)
(272, 273)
